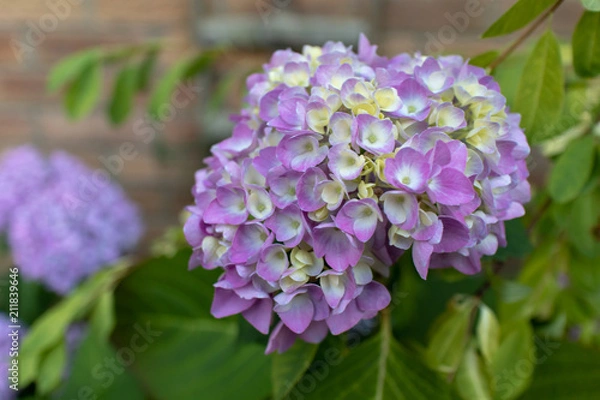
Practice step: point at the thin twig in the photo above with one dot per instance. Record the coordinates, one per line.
(524, 36)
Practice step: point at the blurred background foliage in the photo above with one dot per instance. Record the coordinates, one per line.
(527, 327)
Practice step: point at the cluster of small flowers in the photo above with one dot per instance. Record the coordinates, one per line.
(59, 230)
(341, 162)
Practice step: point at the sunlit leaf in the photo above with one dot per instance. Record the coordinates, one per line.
(592, 5)
(484, 59)
(121, 103)
(84, 92)
(472, 381)
(70, 68)
(488, 332)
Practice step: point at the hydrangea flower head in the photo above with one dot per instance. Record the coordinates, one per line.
(339, 164)
(65, 223)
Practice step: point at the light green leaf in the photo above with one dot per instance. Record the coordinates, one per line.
(586, 45)
(103, 315)
(378, 369)
(572, 170)
(182, 352)
(488, 332)
(541, 89)
(70, 68)
(519, 15)
(123, 95)
(52, 369)
(84, 92)
(511, 291)
(565, 372)
(472, 381)
(49, 330)
(289, 367)
(98, 372)
(514, 362)
(592, 5)
(450, 335)
(484, 59)
(180, 72)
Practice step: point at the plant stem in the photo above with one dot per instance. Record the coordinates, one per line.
(524, 36)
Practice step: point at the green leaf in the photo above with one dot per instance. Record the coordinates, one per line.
(484, 59)
(564, 373)
(49, 330)
(541, 89)
(517, 239)
(513, 364)
(290, 366)
(586, 45)
(146, 68)
(84, 91)
(450, 335)
(52, 369)
(98, 372)
(123, 95)
(519, 15)
(70, 68)
(180, 72)
(592, 5)
(583, 219)
(472, 381)
(103, 315)
(378, 369)
(572, 170)
(182, 352)
(488, 332)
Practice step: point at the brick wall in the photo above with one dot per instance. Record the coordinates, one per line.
(161, 184)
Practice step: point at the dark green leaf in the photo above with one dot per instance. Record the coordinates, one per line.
(123, 95)
(289, 367)
(98, 372)
(586, 45)
(592, 5)
(541, 88)
(484, 59)
(513, 363)
(519, 15)
(572, 170)
(146, 68)
(565, 371)
(180, 72)
(517, 239)
(70, 68)
(378, 369)
(582, 222)
(84, 92)
(185, 352)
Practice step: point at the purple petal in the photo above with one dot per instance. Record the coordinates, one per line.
(260, 314)
(421, 254)
(226, 303)
(408, 170)
(281, 339)
(346, 320)
(248, 241)
(309, 198)
(339, 249)
(450, 187)
(297, 314)
(374, 297)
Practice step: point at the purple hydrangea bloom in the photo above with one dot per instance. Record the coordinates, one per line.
(339, 164)
(68, 223)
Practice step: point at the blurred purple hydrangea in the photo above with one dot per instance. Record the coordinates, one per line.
(63, 221)
(339, 163)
